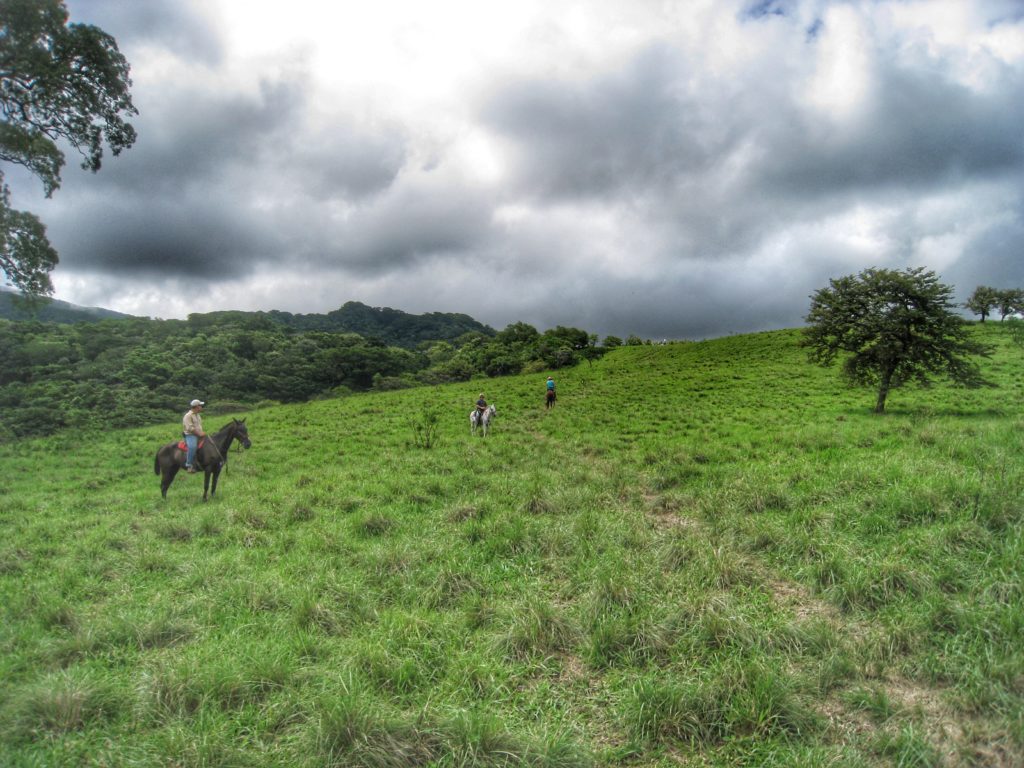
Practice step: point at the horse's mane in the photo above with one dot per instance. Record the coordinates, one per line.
(227, 426)
(222, 433)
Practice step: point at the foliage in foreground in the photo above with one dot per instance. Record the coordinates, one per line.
(59, 82)
(706, 554)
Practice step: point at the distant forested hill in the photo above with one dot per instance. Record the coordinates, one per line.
(392, 326)
(14, 307)
(138, 370)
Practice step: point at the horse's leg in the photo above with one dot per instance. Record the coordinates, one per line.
(166, 467)
(169, 470)
(206, 482)
(216, 474)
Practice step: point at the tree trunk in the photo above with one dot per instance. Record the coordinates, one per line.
(883, 391)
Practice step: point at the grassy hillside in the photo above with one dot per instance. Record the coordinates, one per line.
(707, 554)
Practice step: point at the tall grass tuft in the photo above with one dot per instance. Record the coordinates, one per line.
(733, 700)
(538, 629)
(59, 703)
(353, 731)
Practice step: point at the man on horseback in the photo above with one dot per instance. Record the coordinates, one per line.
(550, 393)
(192, 428)
(481, 406)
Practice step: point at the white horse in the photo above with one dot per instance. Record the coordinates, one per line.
(476, 419)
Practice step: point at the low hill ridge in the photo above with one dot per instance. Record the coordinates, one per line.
(14, 307)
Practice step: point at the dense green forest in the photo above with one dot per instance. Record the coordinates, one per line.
(128, 372)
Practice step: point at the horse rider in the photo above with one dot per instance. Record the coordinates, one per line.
(550, 393)
(192, 428)
(481, 406)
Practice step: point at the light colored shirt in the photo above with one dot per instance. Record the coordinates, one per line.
(192, 423)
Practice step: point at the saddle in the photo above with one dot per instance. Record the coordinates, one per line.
(183, 447)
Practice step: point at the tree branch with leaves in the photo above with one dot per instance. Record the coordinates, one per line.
(58, 82)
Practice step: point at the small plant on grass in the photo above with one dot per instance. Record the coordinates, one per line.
(424, 427)
(873, 701)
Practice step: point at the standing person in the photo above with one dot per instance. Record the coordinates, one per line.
(550, 395)
(192, 428)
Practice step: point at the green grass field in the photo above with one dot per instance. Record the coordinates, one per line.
(707, 554)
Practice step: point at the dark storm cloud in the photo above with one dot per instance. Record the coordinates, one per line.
(644, 127)
(414, 223)
(172, 24)
(921, 130)
(703, 301)
(191, 136)
(716, 168)
(181, 200)
(346, 162)
(197, 237)
(634, 129)
(993, 258)
(221, 183)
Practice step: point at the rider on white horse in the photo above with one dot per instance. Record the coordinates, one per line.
(481, 406)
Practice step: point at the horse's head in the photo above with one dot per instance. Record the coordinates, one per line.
(242, 434)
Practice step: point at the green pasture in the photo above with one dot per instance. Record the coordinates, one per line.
(707, 554)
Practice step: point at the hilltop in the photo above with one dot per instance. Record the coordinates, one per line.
(707, 553)
(14, 307)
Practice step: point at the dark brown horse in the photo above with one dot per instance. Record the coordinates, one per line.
(549, 399)
(211, 456)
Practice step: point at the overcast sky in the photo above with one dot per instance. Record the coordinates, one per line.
(671, 169)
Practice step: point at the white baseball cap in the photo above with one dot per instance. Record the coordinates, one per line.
(194, 403)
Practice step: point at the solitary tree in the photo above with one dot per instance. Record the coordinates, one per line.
(1009, 302)
(896, 326)
(58, 82)
(983, 301)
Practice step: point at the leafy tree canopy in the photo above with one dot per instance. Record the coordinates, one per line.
(391, 326)
(896, 326)
(982, 301)
(58, 82)
(1009, 302)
